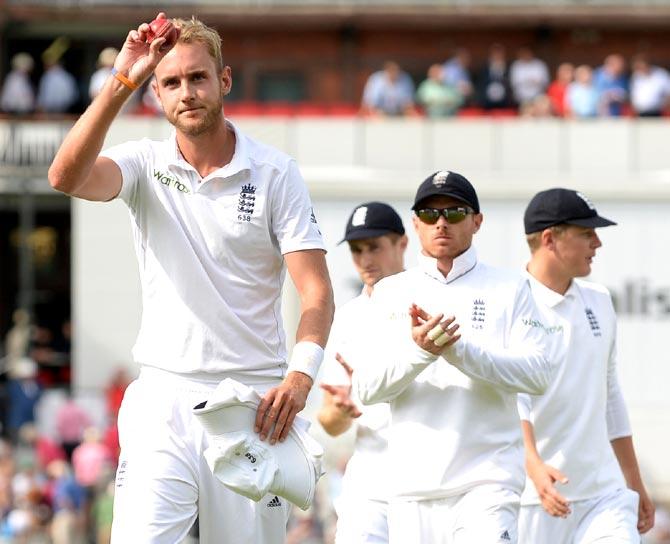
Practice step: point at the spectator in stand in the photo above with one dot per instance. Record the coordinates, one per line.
(102, 513)
(106, 60)
(540, 107)
(581, 97)
(7, 466)
(456, 72)
(68, 502)
(18, 96)
(115, 390)
(389, 92)
(110, 437)
(23, 393)
(493, 83)
(529, 76)
(649, 88)
(556, 91)
(612, 85)
(43, 449)
(91, 461)
(58, 91)
(17, 340)
(438, 98)
(29, 510)
(71, 421)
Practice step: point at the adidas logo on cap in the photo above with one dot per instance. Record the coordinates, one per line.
(505, 536)
(276, 502)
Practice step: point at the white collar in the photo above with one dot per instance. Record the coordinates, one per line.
(238, 163)
(460, 266)
(547, 296)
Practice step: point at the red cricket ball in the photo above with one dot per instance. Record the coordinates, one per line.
(162, 28)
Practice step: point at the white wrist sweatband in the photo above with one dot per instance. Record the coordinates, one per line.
(306, 358)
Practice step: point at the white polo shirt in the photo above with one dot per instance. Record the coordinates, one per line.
(454, 425)
(366, 475)
(210, 254)
(583, 408)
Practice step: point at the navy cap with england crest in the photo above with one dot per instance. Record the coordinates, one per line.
(446, 183)
(372, 219)
(561, 206)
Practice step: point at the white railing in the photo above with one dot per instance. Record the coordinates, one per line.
(358, 157)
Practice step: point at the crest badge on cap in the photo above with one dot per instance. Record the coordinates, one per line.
(440, 178)
(586, 200)
(358, 218)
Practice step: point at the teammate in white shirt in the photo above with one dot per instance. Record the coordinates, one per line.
(217, 219)
(577, 433)
(454, 440)
(377, 241)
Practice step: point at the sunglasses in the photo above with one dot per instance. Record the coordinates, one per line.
(452, 215)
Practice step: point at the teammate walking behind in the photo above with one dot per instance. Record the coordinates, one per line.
(377, 241)
(454, 441)
(577, 433)
(217, 218)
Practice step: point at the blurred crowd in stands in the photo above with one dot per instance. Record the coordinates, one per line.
(522, 86)
(58, 455)
(500, 86)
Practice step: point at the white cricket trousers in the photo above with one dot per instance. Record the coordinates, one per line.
(609, 519)
(163, 481)
(487, 514)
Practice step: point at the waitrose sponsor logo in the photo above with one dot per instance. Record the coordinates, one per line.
(170, 181)
(539, 325)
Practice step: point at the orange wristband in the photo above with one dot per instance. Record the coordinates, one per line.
(123, 79)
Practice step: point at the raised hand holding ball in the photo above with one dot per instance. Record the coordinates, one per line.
(163, 28)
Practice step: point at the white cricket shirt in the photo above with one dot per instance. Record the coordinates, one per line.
(366, 475)
(583, 408)
(210, 254)
(454, 425)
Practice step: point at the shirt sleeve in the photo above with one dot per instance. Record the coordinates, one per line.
(524, 406)
(293, 220)
(131, 159)
(618, 423)
(520, 365)
(390, 366)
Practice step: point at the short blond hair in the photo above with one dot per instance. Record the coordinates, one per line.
(195, 31)
(534, 239)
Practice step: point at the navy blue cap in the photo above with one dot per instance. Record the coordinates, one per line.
(446, 183)
(560, 206)
(372, 219)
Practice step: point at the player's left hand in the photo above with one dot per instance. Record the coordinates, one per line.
(646, 510)
(279, 406)
(544, 478)
(432, 333)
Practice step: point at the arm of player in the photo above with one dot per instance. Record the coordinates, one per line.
(625, 454)
(281, 404)
(395, 369)
(620, 435)
(76, 169)
(338, 409)
(521, 365)
(543, 476)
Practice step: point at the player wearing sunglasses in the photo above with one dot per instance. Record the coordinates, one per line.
(452, 383)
